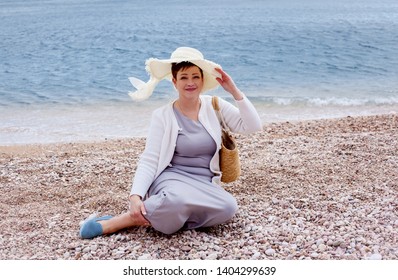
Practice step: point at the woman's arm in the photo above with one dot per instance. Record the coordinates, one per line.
(243, 118)
(149, 159)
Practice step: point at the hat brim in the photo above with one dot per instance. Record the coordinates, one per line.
(161, 69)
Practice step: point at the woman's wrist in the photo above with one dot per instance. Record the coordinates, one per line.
(237, 94)
(135, 197)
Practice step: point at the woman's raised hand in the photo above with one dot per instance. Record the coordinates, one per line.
(228, 84)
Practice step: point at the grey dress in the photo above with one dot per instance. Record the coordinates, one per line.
(183, 196)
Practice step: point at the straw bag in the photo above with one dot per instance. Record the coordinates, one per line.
(229, 155)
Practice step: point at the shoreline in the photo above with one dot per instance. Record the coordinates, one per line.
(317, 189)
(124, 120)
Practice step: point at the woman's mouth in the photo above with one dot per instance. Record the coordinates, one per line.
(190, 89)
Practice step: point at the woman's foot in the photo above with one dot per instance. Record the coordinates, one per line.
(107, 224)
(92, 228)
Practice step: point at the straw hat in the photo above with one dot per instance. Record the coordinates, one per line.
(161, 69)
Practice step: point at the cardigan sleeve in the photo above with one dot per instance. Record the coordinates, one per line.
(149, 159)
(241, 119)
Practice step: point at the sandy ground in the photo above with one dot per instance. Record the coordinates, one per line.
(325, 189)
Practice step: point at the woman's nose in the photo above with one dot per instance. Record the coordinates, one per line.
(190, 81)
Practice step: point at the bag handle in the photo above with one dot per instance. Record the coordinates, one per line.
(216, 108)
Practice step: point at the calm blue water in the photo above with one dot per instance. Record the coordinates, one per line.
(64, 64)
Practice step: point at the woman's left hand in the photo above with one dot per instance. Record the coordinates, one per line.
(228, 84)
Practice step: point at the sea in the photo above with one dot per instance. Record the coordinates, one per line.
(64, 64)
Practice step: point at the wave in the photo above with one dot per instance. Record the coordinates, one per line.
(326, 101)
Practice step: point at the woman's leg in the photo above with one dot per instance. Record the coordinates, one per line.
(213, 206)
(107, 224)
(179, 206)
(117, 223)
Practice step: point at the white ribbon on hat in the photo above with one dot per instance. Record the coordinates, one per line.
(144, 90)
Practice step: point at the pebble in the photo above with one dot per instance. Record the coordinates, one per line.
(248, 228)
(314, 255)
(186, 248)
(337, 243)
(270, 252)
(256, 255)
(86, 250)
(251, 242)
(120, 237)
(93, 248)
(322, 247)
(144, 257)
(375, 257)
(52, 224)
(212, 256)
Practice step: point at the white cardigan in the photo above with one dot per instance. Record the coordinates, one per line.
(163, 132)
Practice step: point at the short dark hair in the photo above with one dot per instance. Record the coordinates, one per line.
(175, 67)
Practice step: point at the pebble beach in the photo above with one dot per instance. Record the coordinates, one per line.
(320, 190)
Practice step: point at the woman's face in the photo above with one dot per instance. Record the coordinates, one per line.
(189, 82)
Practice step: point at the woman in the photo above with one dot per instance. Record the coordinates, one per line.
(177, 181)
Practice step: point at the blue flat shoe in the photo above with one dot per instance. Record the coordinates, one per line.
(91, 228)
